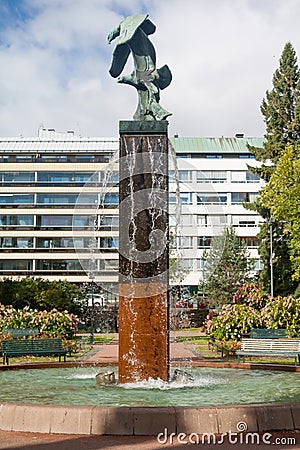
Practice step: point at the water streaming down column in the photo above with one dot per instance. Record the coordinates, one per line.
(144, 254)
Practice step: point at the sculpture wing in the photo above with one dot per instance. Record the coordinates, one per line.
(119, 60)
(129, 26)
(164, 77)
(148, 27)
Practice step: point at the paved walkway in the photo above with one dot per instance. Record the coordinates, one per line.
(36, 441)
(178, 350)
(109, 353)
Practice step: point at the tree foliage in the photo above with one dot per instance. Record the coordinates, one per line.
(227, 267)
(281, 111)
(280, 108)
(281, 195)
(41, 294)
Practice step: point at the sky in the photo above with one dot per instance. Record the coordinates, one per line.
(54, 62)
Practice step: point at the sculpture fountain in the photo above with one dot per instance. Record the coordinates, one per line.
(143, 316)
(143, 209)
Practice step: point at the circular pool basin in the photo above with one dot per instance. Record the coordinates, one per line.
(211, 386)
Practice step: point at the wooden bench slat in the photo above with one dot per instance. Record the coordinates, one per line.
(21, 332)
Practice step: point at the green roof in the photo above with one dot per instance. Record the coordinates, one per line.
(214, 145)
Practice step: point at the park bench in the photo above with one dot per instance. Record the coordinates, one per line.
(32, 347)
(20, 332)
(268, 333)
(287, 348)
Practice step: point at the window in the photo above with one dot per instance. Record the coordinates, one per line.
(16, 177)
(103, 158)
(63, 265)
(245, 176)
(185, 241)
(252, 177)
(200, 264)
(238, 176)
(25, 158)
(60, 199)
(211, 198)
(52, 158)
(172, 198)
(217, 220)
(16, 242)
(85, 158)
(64, 177)
(54, 221)
(111, 200)
(186, 198)
(238, 198)
(109, 242)
(245, 221)
(257, 264)
(185, 175)
(67, 199)
(12, 199)
(211, 176)
(186, 264)
(204, 220)
(22, 221)
(84, 221)
(109, 178)
(204, 242)
(15, 265)
(63, 222)
(64, 243)
(251, 242)
(109, 265)
(186, 220)
(108, 222)
(201, 220)
(87, 199)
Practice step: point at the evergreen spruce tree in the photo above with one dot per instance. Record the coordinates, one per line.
(227, 267)
(281, 111)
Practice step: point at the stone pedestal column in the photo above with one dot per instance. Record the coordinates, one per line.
(143, 247)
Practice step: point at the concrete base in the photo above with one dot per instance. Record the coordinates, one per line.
(148, 421)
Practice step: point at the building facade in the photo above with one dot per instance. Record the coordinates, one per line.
(59, 204)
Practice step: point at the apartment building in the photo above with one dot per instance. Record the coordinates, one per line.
(59, 204)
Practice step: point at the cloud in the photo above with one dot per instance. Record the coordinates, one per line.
(222, 54)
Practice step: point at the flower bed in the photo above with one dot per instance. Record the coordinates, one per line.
(50, 323)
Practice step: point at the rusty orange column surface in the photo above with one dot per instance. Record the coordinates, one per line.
(143, 252)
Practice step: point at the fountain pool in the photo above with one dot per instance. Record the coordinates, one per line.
(211, 387)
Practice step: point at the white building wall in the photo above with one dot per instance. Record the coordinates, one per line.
(18, 259)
